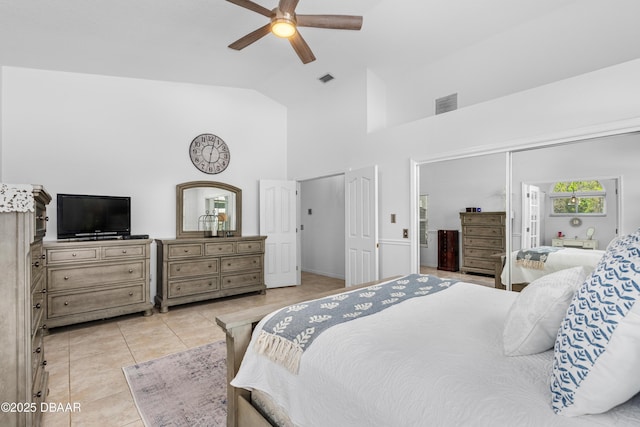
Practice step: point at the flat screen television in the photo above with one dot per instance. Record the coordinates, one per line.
(93, 217)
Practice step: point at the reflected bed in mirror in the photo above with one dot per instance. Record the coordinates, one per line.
(208, 209)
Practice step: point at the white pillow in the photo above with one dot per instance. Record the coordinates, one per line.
(596, 356)
(534, 318)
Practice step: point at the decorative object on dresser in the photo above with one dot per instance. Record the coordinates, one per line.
(24, 380)
(90, 280)
(483, 235)
(192, 270)
(448, 250)
(209, 153)
(201, 204)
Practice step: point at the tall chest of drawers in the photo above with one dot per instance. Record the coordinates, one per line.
(483, 235)
(96, 280)
(192, 270)
(23, 377)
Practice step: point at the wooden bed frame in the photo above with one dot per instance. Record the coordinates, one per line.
(238, 327)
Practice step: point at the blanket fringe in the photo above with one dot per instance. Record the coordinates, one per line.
(529, 263)
(279, 350)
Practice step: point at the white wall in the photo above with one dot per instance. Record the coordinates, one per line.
(322, 236)
(89, 134)
(604, 99)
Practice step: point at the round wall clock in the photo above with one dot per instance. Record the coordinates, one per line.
(209, 153)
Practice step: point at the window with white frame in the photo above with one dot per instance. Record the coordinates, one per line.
(578, 198)
(424, 237)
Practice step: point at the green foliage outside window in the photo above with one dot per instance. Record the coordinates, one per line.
(578, 198)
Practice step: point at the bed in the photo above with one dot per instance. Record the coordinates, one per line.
(525, 270)
(434, 359)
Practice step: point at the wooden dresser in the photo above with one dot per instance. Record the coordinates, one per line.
(96, 280)
(199, 269)
(448, 250)
(483, 235)
(23, 378)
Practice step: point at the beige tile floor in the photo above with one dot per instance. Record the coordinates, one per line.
(85, 361)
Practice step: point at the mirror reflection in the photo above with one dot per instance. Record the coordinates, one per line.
(567, 203)
(208, 209)
(452, 193)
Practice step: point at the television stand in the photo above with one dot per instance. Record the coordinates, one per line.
(93, 280)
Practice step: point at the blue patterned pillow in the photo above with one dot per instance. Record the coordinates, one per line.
(596, 362)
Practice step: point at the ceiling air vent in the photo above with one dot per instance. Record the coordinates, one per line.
(447, 103)
(326, 78)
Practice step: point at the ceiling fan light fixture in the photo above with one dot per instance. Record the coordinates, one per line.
(283, 27)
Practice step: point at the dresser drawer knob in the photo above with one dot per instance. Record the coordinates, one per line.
(130, 270)
(228, 264)
(37, 306)
(44, 291)
(66, 303)
(36, 264)
(43, 256)
(178, 288)
(186, 250)
(250, 246)
(210, 283)
(130, 294)
(73, 254)
(124, 251)
(38, 395)
(44, 363)
(177, 268)
(38, 350)
(66, 277)
(44, 326)
(210, 265)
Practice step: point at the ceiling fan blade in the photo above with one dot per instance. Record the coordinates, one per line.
(288, 6)
(302, 48)
(338, 22)
(248, 4)
(252, 37)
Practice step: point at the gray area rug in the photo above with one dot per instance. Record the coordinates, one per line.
(183, 389)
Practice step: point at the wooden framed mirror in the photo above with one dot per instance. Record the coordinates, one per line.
(207, 209)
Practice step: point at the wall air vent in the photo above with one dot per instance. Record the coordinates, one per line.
(447, 103)
(326, 78)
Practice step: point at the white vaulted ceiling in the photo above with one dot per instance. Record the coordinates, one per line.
(186, 40)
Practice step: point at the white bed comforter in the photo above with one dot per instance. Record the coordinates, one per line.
(556, 261)
(429, 361)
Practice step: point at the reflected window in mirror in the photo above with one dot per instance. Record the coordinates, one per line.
(578, 198)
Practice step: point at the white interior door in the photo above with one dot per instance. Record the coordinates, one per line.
(361, 223)
(530, 216)
(278, 223)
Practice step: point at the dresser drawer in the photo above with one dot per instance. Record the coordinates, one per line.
(37, 353)
(37, 305)
(224, 248)
(193, 268)
(95, 299)
(79, 277)
(185, 250)
(250, 246)
(480, 252)
(61, 256)
(241, 263)
(471, 231)
(484, 242)
(482, 219)
(480, 263)
(192, 287)
(123, 252)
(37, 260)
(238, 280)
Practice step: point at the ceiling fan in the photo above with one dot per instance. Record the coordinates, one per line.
(284, 22)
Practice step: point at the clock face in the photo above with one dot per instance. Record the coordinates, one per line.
(209, 153)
